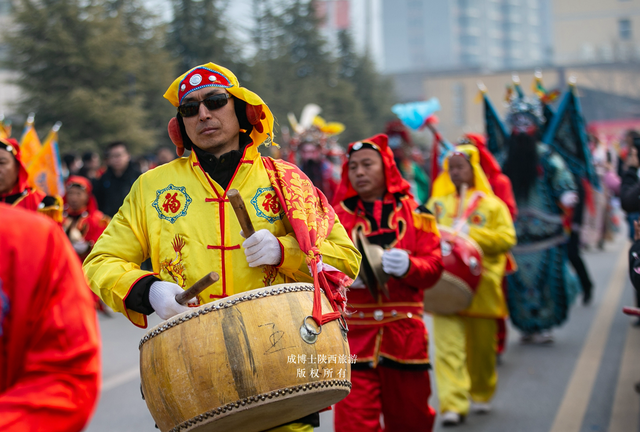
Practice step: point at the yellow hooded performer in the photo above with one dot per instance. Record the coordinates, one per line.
(179, 216)
(465, 343)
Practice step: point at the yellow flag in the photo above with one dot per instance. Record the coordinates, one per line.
(44, 171)
(29, 142)
(330, 129)
(5, 128)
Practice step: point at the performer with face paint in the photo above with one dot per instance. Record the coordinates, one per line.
(540, 292)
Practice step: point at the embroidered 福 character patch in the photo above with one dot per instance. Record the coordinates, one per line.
(477, 219)
(266, 204)
(172, 202)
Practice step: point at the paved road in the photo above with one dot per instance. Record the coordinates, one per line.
(583, 383)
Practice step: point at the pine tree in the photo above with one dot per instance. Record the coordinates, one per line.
(293, 67)
(200, 35)
(98, 66)
(372, 89)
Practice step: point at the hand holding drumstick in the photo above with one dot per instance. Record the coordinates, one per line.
(261, 247)
(169, 299)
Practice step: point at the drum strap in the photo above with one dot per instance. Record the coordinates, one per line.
(472, 205)
(311, 217)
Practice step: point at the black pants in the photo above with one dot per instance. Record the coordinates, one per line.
(573, 249)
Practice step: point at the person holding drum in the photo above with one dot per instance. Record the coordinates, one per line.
(465, 364)
(179, 214)
(387, 334)
(501, 186)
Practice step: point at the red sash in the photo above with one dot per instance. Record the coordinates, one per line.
(311, 217)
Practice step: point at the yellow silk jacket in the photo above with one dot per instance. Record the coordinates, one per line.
(491, 226)
(181, 219)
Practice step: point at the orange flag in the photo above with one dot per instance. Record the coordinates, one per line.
(29, 142)
(44, 171)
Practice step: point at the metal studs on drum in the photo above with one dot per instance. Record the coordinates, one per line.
(223, 305)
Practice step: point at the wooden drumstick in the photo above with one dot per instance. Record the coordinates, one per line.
(241, 212)
(463, 195)
(459, 220)
(195, 289)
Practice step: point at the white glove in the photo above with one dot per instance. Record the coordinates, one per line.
(395, 262)
(569, 199)
(162, 297)
(80, 246)
(262, 248)
(357, 284)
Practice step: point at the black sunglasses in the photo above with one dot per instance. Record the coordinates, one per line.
(214, 102)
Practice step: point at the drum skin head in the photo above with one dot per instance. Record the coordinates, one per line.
(448, 296)
(241, 364)
(462, 259)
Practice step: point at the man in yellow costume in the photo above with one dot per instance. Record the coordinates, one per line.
(465, 364)
(179, 216)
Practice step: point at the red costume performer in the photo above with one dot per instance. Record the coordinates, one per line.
(388, 336)
(20, 194)
(83, 224)
(502, 189)
(49, 346)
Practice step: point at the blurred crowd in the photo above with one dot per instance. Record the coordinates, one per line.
(112, 176)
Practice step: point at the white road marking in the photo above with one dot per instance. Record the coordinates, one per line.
(121, 378)
(625, 415)
(571, 413)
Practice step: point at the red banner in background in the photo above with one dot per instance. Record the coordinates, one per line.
(612, 131)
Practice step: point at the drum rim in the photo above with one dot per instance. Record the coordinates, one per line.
(464, 236)
(226, 303)
(187, 424)
(450, 277)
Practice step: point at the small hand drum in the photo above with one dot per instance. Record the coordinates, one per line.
(462, 258)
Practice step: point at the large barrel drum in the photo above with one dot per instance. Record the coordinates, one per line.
(462, 259)
(248, 362)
